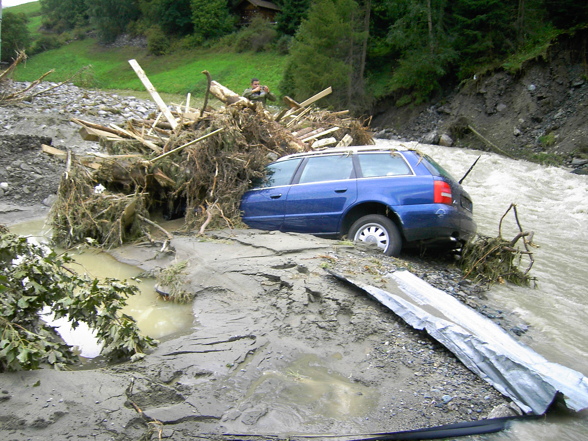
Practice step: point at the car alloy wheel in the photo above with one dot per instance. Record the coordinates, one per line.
(379, 230)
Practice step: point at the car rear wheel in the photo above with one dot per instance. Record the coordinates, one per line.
(379, 230)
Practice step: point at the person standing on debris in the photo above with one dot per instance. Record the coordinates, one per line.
(258, 93)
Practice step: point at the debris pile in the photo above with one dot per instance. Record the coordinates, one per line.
(184, 161)
(495, 259)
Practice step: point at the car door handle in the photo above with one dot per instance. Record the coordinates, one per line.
(341, 190)
(276, 196)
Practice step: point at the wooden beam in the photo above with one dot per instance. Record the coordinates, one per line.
(323, 143)
(346, 141)
(317, 97)
(53, 151)
(149, 144)
(318, 135)
(160, 103)
(291, 103)
(91, 134)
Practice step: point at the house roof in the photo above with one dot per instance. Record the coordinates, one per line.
(263, 4)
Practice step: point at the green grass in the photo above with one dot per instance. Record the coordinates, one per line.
(33, 11)
(26, 8)
(177, 73)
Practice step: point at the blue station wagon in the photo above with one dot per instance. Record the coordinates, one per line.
(383, 196)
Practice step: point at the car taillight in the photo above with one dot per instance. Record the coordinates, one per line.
(442, 193)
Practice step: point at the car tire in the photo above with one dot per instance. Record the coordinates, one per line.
(379, 230)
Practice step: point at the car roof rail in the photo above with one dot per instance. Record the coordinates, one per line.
(342, 150)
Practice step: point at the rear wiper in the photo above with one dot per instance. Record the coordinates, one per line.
(470, 169)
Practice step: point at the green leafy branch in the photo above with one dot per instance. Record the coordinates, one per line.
(34, 278)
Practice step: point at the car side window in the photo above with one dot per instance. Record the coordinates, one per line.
(327, 168)
(383, 164)
(278, 173)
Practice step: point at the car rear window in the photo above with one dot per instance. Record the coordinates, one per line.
(279, 173)
(383, 164)
(327, 168)
(435, 168)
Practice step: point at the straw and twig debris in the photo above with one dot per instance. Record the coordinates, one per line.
(495, 259)
(189, 162)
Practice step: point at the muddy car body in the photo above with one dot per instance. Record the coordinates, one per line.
(383, 196)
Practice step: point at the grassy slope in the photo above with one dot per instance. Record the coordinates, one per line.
(33, 12)
(176, 74)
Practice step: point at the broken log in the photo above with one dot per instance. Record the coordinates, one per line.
(91, 134)
(225, 94)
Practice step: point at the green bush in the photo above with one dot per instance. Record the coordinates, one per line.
(46, 43)
(157, 41)
(15, 35)
(189, 42)
(257, 37)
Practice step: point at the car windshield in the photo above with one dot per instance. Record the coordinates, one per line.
(435, 168)
(383, 164)
(278, 173)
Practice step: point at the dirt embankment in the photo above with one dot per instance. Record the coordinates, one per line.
(538, 111)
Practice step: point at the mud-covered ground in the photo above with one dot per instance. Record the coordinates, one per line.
(278, 346)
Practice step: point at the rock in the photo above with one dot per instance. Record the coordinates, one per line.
(49, 200)
(577, 162)
(445, 140)
(504, 410)
(431, 138)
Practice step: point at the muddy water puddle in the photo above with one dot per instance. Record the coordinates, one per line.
(155, 317)
(314, 390)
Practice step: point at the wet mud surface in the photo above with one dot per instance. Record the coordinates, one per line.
(278, 347)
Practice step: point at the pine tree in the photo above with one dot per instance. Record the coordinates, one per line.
(326, 53)
(420, 41)
(291, 15)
